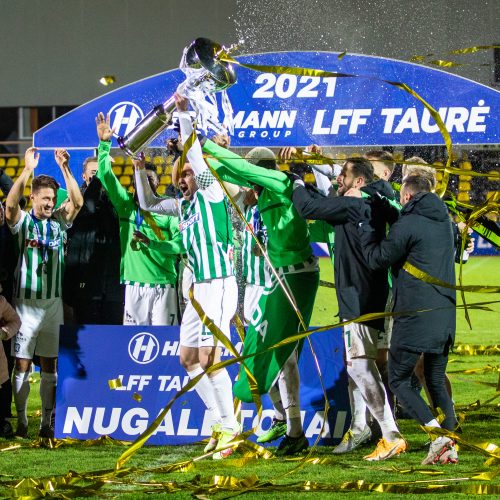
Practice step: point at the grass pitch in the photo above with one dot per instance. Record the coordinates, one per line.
(329, 476)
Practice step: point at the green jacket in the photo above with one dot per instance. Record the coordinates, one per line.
(139, 264)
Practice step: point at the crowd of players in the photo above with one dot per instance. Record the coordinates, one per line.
(109, 256)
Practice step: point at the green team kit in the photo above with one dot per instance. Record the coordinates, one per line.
(209, 245)
(41, 256)
(290, 253)
(255, 269)
(140, 265)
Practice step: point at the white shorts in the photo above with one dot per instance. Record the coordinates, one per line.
(155, 305)
(360, 341)
(218, 299)
(384, 338)
(252, 297)
(187, 281)
(39, 332)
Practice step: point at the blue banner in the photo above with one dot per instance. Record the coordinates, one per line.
(287, 110)
(146, 360)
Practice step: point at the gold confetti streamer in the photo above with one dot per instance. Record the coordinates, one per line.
(115, 383)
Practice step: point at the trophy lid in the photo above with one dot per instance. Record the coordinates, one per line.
(204, 53)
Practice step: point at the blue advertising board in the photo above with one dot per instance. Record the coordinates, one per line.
(146, 360)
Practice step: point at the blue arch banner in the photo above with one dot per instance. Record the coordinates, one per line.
(287, 110)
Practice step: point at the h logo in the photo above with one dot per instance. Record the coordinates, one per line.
(143, 348)
(124, 117)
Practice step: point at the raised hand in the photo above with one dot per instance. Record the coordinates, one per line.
(104, 131)
(31, 158)
(181, 102)
(61, 156)
(315, 149)
(139, 163)
(285, 154)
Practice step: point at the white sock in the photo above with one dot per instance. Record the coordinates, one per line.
(279, 411)
(432, 423)
(289, 385)
(358, 408)
(205, 391)
(367, 378)
(222, 388)
(21, 390)
(48, 383)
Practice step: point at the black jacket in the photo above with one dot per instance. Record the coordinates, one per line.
(92, 267)
(423, 236)
(360, 290)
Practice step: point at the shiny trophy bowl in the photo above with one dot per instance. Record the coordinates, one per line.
(213, 75)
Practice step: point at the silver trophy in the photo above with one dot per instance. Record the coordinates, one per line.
(209, 74)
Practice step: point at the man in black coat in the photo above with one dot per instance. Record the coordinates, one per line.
(360, 290)
(423, 237)
(92, 268)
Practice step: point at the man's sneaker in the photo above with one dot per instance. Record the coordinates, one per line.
(21, 431)
(387, 449)
(224, 439)
(277, 429)
(450, 456)
(214, 439)
(6, 430)
(351, 441)
(441, 451)
(292, 445)
(46, 431)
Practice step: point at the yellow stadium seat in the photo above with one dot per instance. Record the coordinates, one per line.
(11, 172)
(167, 169)
(128, 160)
(128, 170)
(463, 196)
(158, 160)
(2, 162)
(21, 162)
(341, 156)
(13, 161)
(165, 180)
(27, 191)
(119, 160)
(117, 169)
(284, 167)
(125, 180)
(309, 178)
(464, 186)
(495, 178)
(161, 190)
(466, 165)
(466, 178)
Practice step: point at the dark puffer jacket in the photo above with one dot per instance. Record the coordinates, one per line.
(360, 290)
(423, 236)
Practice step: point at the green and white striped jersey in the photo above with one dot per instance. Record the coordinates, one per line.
(255, 269)
(40, 262)
(206, 230)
